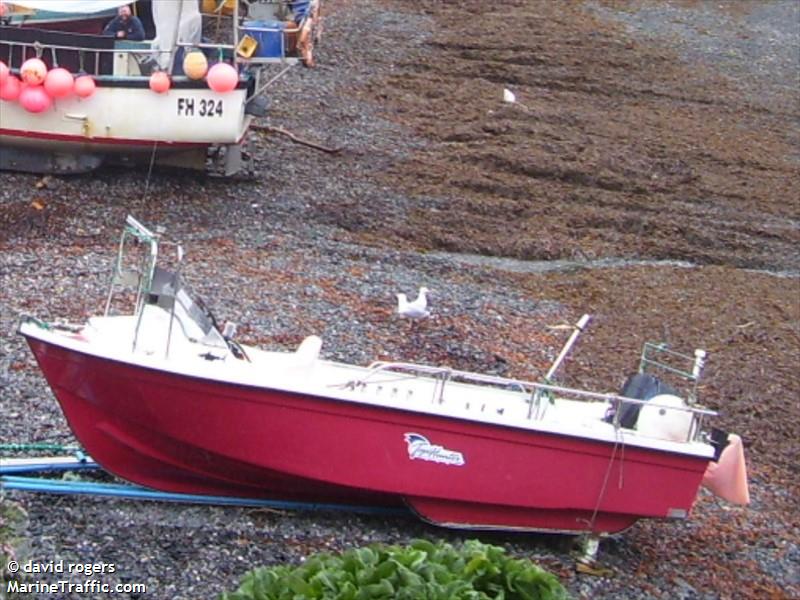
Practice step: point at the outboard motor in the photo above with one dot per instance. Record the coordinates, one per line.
(641, 386)
(664, 418)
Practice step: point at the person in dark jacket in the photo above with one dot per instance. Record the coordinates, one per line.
(125, 26)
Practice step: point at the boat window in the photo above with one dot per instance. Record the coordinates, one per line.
(191, 313)
(195, 310)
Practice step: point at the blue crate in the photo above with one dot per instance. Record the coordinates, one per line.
(270, 43)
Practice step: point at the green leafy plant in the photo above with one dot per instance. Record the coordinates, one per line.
(420, 571)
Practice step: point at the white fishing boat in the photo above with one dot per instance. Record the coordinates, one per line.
(180, 98)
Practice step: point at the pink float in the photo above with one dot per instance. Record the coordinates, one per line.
(10, 88)
(59, 83)
(159, 82)
(222, 78)
(33, 71)
(84, 86)
(3, 72)
(34, 99)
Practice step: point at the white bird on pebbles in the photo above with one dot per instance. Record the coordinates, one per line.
(510, 98)
(418, 309)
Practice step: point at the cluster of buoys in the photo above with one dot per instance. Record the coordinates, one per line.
(37, 87)
(221, 77)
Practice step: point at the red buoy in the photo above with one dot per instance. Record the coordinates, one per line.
(222, 78)
(84, 86)
(10, 88)
(159, 82)
(59, 83)
(34, 99)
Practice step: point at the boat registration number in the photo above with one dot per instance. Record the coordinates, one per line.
(201, 107)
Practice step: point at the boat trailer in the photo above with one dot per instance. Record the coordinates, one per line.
(26, 475)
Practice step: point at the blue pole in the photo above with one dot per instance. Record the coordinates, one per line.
(44, 466)
(116, 490)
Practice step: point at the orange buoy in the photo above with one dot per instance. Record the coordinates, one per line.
(195, 65)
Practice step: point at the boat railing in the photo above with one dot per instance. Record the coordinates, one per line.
(538, 394)
(155, 285)
(139, 276)
(659, 357)
(128, 59)
(441, 375)
(98, 62)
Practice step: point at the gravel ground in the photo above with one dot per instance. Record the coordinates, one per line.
(320, 244)
(754, 44)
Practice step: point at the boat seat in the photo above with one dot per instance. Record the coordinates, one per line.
(307, 352)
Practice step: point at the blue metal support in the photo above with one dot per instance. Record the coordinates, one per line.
(12, 466)
(117, 490)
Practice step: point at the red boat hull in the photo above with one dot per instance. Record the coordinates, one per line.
(193, 435)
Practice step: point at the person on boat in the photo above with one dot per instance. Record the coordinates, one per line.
(125, 26)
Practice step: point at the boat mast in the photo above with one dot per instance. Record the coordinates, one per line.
(579, 327)
(535, 409)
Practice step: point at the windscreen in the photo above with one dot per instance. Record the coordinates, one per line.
(190, 312)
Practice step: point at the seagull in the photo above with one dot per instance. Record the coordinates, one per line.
(418, 309)
(510, 98)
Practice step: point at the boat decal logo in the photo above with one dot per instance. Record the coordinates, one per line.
(419, 448)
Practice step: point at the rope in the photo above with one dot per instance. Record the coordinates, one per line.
(149, 171)
(619, 442)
